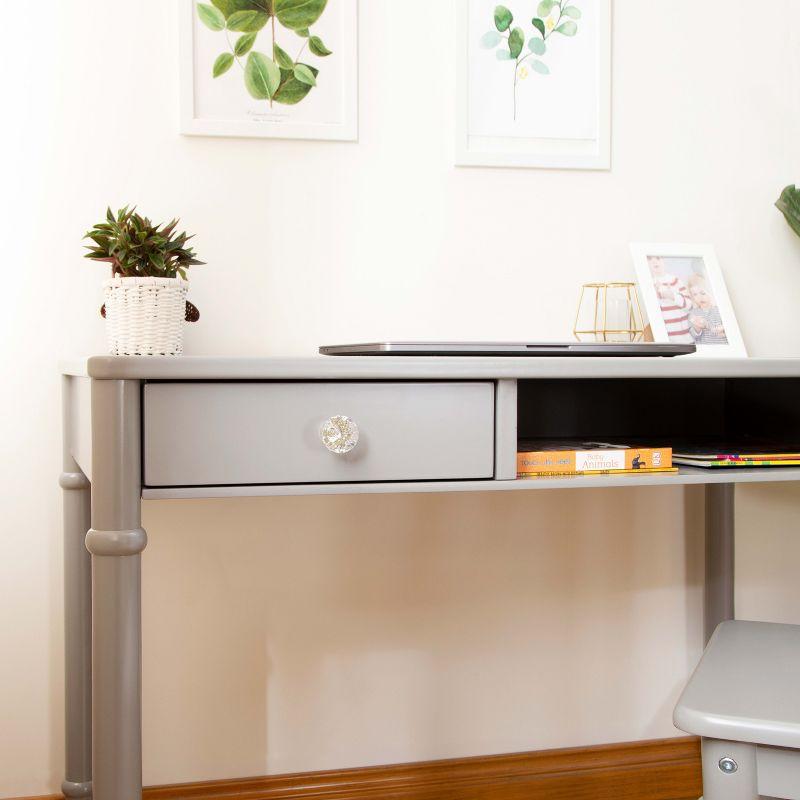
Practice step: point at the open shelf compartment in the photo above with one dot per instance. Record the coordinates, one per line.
(662, 413)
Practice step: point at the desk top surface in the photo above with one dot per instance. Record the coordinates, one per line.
(423, 368)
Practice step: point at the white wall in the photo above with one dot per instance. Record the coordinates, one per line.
(291, 634)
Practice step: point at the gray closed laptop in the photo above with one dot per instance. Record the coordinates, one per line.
(508, 349)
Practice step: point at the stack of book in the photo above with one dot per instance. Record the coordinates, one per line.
(537, 459)
(746, 453)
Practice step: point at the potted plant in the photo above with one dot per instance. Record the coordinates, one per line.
(145, 299)
(789, 205)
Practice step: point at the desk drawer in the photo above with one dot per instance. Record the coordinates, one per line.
(215, 434)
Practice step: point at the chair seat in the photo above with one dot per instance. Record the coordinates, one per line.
(746, 687)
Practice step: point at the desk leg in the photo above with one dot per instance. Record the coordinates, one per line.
(719, 784)
(720, 551)
(77, 633)
(116, 542)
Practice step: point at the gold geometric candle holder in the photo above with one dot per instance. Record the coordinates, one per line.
(609, 312)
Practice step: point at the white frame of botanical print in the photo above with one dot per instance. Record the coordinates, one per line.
(641, 250)
(193, 125)
(477, 151)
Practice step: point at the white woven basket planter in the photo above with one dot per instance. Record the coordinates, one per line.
(145, 316)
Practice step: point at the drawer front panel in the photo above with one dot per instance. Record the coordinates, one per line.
(214, 434)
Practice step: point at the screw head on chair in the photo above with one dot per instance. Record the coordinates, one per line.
(728, 765)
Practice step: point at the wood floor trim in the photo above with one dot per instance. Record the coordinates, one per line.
(662, 769)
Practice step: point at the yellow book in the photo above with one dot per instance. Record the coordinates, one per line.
(551, 474)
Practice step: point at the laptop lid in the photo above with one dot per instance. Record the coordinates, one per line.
(508, 349)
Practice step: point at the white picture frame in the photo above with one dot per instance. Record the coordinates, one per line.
(340, 122)
(475, 149)
(696, 301)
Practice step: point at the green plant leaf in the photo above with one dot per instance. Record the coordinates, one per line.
(298, 14)
(211, 17)
(303, 74)
(571, 11)
(316, 46)
(502, 18)
(228, 7)
(304, 32)
(540, 67)
(789, 205)
(285, 61)
(516, 42)
(539, 25)
(261, 76)
(545, 7)
(291, 90)
(247, 21)
(503, 55)
(567, 28)
(491, 39)
(223, 63)
(244, 44)
(537, 46)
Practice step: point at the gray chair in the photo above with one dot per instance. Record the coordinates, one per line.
(744, 700)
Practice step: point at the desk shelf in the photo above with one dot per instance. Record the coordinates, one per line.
(686, 476)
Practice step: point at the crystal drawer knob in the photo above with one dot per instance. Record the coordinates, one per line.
(339, 434)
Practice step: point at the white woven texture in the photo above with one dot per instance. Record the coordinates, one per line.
(145, 316)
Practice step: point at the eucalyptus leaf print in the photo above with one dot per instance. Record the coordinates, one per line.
(274, 73)
(508, 41)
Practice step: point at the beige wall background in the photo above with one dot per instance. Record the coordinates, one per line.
(303, 633)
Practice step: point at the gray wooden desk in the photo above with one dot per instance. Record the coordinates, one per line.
(138, 428)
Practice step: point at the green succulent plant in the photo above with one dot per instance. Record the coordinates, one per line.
(137, 248)
(272, 75)
(789, 205)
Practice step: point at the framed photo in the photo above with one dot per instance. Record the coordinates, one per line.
(686, 299)
(534, 92)
(288, 76)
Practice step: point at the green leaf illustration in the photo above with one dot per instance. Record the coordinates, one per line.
(502, 18)
(567, 28)
(247, 21)
(303, 74)
(491, 39)
(516, 41)
(789, 205)
(539, 25)
(228, 7)
(261, 76)
(296, 14)
(304, 32)
(222, 64)
(211, 17)
(545, 7)
(316, 46)
(285, 61)
(503, 55)
(540, 67)
(291, 90)
(244, 44)
(571, 11)
(537, 46)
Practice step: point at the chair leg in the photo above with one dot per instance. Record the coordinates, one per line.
(729, 770)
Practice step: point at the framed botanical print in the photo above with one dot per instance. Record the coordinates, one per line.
(284, 69)
(534, 84)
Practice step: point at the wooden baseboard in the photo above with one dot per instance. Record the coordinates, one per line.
(663, 769)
